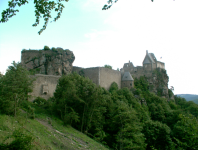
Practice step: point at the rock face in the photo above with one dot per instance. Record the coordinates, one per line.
(158, 82)
(48, 62)
(154, 71)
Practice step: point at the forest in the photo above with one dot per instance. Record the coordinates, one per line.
(120, 119)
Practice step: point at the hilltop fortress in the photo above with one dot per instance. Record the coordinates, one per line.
(49, 65)
(149, 64)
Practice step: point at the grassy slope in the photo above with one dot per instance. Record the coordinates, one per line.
(47, 133)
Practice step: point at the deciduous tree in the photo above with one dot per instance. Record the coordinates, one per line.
(14, 88)
(43, 9)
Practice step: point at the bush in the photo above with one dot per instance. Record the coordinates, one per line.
(108, 66)
(54, 49)
(21, 141)
(59, 49)
(46, 48)
(113, 87)
(26, 106)
(170, 93)
(40, 101)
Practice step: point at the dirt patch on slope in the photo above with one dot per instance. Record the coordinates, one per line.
(68, 141)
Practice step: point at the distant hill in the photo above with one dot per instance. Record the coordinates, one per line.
(190, 97)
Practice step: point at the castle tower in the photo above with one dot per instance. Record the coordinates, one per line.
(128, 67)
(149, 62)
(127, 80)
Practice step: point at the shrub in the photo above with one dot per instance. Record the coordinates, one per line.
(26, 106)
(108, 66)
(59, 49)
(113, 87)
(23, 50)
(54, 49)
(46, 48)
(39, 101)
(21, 141)
(170, 93)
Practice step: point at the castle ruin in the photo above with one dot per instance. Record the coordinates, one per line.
(49, 65)
(149, 64)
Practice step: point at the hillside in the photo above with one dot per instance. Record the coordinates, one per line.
(48, 133)
(189, 97)
(123, 118)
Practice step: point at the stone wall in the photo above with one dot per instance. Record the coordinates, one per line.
(91, 73)
(108, 76)
(77, 69)
(148, 67)
(100, 75)
(160, 65)
(128, 84)
(44, 86)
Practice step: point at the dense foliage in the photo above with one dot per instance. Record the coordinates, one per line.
(20, 141)
(14, 88)
(118, 118)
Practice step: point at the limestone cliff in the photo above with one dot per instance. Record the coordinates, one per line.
(49, 62)
(158, 82)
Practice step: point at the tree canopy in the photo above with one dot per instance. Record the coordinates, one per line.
(115, 117)
(14, 88)
(43, 9)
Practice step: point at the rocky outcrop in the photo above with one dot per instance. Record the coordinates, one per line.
(49, 62)
(158, 82)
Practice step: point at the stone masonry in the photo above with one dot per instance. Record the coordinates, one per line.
(49, 65)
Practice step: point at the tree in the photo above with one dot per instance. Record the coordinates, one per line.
(14, 88)
(78, 99)
(185, 132)
(113, 87)
(108, 66)
(43, 9)
(122, 126)
(1, 75)
(110, 3)
(46, 47)
(158, 135)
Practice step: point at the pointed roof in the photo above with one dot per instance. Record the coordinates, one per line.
(149, 58)
(127, 77)
(153, 57)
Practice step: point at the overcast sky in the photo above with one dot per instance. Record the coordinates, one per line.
(167, 28)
